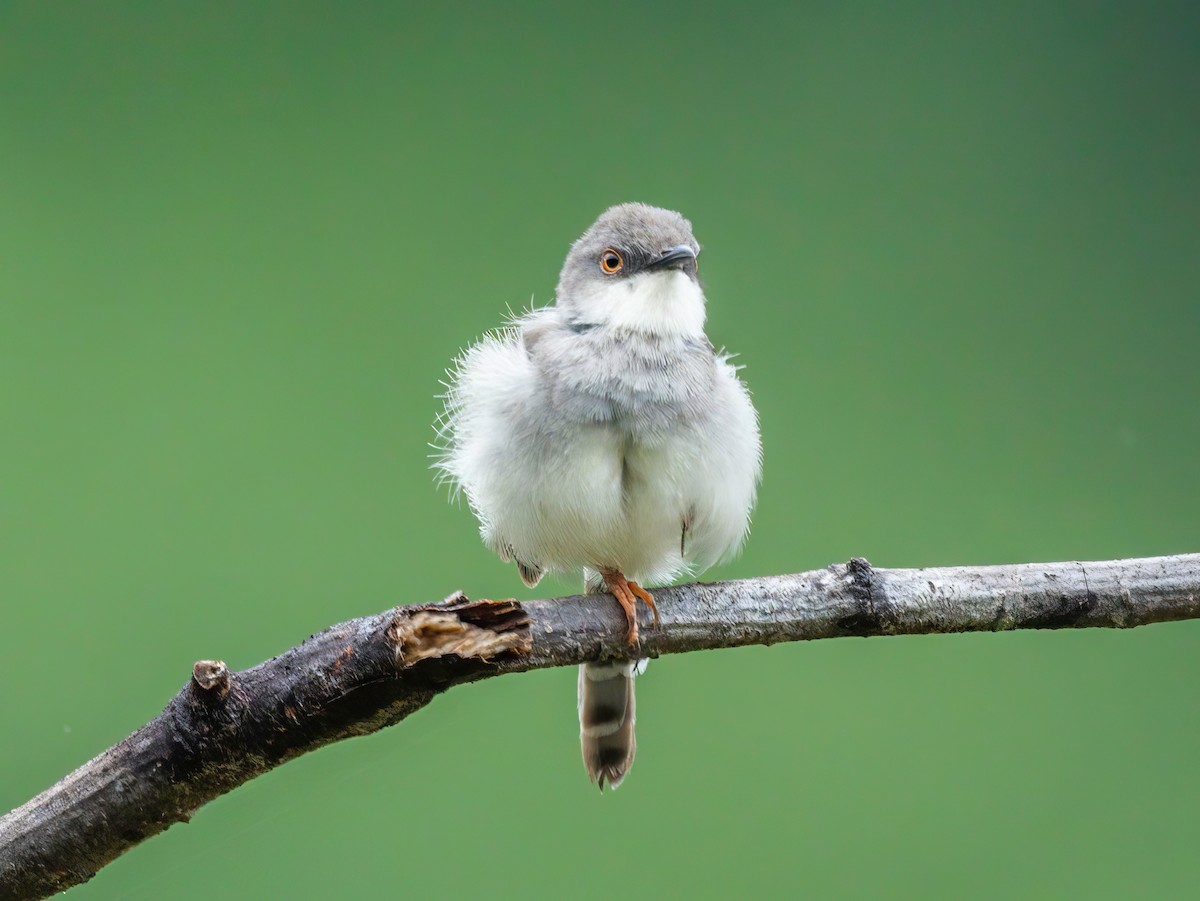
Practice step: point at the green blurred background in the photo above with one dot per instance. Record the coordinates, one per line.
(957, 247)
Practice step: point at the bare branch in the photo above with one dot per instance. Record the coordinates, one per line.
(224, 728)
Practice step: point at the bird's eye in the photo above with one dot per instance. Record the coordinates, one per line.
(611, 261)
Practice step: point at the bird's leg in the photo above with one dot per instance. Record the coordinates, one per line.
(627, 594)
(618, 587)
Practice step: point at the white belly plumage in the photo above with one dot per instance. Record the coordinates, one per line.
(597, 499)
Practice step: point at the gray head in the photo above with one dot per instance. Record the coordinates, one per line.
(635, 269)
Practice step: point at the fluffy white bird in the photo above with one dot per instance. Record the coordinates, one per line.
(605, 434)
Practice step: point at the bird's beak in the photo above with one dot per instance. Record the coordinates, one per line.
(681, 257)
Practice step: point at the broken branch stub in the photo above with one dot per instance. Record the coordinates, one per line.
(211, 675)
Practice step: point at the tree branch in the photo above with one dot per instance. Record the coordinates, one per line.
(224, 728)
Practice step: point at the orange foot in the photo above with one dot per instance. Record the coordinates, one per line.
(627, 594)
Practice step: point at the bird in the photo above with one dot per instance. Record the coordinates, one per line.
(605, 434)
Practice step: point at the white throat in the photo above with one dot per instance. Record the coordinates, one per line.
(659, 303)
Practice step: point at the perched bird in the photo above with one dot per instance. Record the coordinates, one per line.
(605, 433)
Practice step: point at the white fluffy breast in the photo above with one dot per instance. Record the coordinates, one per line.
(661, 303)
(561, 484)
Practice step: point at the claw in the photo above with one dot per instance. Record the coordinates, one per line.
(627, 594)
(647, 599)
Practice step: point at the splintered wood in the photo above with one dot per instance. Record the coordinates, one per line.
(424, 634)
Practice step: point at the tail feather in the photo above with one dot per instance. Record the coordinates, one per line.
(607, 710)
(606, 719)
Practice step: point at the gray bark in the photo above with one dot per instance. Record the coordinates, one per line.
(224, 728)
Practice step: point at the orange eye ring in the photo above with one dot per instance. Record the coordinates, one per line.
(611, 261)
